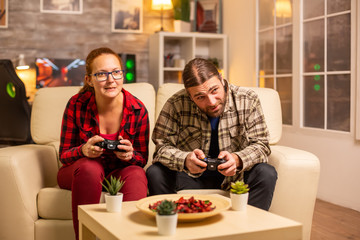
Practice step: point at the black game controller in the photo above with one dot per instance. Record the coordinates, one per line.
(213, 163)
(110, 145)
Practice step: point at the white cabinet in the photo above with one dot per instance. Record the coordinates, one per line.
(166, 47)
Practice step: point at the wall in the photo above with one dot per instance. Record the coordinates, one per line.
(338, 153)
(37, 34)
(239, 24)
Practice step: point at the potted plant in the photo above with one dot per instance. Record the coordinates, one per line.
(113, 198)
(181, 15)
(166, 217)
(239, 194)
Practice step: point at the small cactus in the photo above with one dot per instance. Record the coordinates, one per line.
(114, 186)
(239, 187)
(166, 207)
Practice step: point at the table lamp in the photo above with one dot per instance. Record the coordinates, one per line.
(161, 5)
(283, 9)
(21, 63)
(27, 75)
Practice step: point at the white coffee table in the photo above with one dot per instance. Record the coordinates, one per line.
(254, 224)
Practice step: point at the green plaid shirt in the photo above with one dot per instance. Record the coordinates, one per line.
(182, 127)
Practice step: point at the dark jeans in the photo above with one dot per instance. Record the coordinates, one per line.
(261, 179)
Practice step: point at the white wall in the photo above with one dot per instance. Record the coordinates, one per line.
(239, 24)
(339, 153)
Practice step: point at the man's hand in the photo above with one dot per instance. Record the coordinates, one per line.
(193, 162)
(232, 163)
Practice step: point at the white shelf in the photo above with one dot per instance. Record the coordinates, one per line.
(185, 46)
(170, 69)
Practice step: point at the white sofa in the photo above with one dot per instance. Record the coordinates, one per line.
(33, 207)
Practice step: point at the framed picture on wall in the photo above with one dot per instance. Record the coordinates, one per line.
(208, 16)
(62, 6)
(127, 16)
(4, 13)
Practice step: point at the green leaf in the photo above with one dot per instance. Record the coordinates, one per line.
(113, 186)
(166, 207)
(239, 187)
(181, 10)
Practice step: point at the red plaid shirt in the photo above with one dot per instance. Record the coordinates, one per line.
(81, 122)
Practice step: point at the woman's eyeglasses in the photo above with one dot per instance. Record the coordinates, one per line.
(103, 76)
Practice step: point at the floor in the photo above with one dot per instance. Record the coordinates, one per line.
(333, 222)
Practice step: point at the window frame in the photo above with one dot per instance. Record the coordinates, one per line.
(326, 73)
(297, 72)
(357, 68)
(274, 75)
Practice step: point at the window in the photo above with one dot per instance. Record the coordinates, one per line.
(327, 63)
(275, 51)
(316, 66)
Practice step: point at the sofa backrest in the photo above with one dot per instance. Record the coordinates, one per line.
(269, 99)
(49, 105)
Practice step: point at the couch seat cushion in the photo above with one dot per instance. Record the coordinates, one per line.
(55, 203)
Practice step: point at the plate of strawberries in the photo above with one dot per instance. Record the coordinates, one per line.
(190, 207)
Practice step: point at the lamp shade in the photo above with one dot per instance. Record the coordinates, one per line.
(161, 5)
(283, 8)
(21, 64)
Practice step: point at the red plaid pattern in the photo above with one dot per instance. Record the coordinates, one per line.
(81, 122)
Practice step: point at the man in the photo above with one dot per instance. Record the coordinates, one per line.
(211, 118)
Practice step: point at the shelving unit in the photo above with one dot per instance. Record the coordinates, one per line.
(184, 46)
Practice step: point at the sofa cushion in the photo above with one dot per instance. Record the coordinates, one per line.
(270, 102)
(164, 92)
(55, 203)
(47, 112)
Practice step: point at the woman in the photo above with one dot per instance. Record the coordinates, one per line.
(103, 110)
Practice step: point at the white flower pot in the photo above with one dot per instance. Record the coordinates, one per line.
(181, 26)
(239, 201)
(113, 202)
(166, 224)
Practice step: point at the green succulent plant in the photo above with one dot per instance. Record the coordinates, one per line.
(113, 186)
(181, 10)
(166, 207)
(239, 187)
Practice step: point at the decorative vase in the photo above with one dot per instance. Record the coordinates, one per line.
(113, 202)
(166, 224)
(182, 26)
(239, 201)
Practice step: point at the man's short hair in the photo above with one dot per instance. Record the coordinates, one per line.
(198, 71)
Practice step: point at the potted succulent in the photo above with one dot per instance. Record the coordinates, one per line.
(239, 194)
(166, 217)
(113, 198)
(181, 15)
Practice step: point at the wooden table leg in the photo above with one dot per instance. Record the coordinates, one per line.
(85, 233)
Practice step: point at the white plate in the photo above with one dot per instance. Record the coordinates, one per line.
(220, 203)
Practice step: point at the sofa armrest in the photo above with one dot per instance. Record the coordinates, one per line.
(296, 188)
(24, 170)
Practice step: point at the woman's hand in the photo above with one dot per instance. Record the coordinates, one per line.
(126, 146)
(90, 150)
